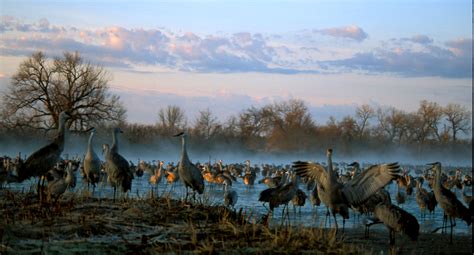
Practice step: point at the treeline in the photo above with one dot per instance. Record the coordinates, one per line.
(287, 126)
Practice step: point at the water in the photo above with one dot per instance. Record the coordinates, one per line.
(248, 200)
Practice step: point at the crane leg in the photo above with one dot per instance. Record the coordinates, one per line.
(114, 193)
(335, 220)
(391, 237)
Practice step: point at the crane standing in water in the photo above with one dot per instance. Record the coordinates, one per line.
(41, 161)
(447, 200)
(188, 172)
(337, 196)
(91, 164)
(117, 168)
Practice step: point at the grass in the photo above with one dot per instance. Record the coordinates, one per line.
(149, 225)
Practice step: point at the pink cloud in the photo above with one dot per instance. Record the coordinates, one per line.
(352, 32)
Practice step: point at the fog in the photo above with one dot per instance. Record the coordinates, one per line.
(168, 149)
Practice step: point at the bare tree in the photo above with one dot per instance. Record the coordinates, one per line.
(430, 114)
(42, 88)
(206, 125)
(363, 114)
(459, 118)
(171, 119)
(393, 123)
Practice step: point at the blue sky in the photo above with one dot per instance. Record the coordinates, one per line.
(335, 55)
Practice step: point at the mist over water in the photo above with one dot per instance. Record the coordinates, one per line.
(168, 149)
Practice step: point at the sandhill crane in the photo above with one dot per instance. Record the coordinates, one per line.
(280, 195)
(250, 175)
(380, 197)
(299, 200)
(155, 179)
(58, 182)
(230, 196)
(188, 172)
(400, 197)
(397, 220)
(452, 207)
(337, 196)
(117, 168)
(422, 198)
(92, 163)
(41, 161)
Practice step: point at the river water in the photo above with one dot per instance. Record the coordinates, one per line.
(248, 201)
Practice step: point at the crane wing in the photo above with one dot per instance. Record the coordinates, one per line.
(369, 181)
(311, 170)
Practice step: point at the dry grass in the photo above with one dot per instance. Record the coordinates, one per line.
(78, 224)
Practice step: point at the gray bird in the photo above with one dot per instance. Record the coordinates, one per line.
(230, 196)
(447, 200)
(41, 161)
(92, 163)
(337, 196)
(117, 167)
(188, 172)
(397, 220)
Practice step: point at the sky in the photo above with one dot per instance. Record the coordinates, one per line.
(230, 55)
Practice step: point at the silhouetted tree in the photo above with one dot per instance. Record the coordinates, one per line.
(41, 89)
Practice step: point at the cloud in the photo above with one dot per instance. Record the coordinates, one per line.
(429, 60)
(421, 39)
(9, 23)
(351, 32)
(300, 52)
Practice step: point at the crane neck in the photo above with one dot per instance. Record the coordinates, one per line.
(437, 182)
(114, 147)
(89, 143)
(184, 153)
(59, 140)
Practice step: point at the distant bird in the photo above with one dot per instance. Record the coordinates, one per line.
(230, 196)
(397, 220)
(41, 161)
(117, 168)
(188, 172)
(92, 163)
(337, 196)
(158, 174)
(447, 200)
(422, 198)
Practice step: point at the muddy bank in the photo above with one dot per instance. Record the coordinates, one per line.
(81, 224)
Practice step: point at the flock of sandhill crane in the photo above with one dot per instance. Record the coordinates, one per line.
(361, 190)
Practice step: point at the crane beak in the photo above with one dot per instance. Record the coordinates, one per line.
(179, 134)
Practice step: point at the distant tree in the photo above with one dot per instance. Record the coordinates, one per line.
(363, 114)
(459, 118)
(430, 115)
(290, 125)
(41, 89)
(171, 119)
(393, 124)
(206, 125)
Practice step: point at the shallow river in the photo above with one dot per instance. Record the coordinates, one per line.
(248, 200)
